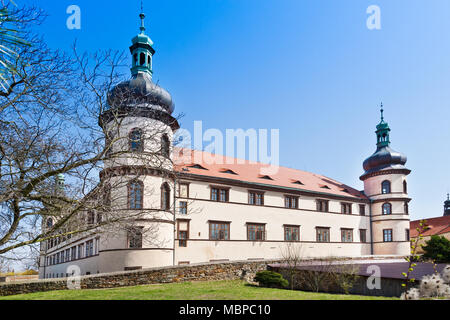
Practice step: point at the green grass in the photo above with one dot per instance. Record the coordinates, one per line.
(201, 290)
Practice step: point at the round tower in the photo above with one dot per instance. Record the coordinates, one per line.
(386, 186)
(139, 129)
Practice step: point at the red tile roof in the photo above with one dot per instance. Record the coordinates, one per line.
(251, 172)
(437, 226)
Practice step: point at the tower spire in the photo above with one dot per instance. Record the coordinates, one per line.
(142, 16)
(382, 131)
(142, 50)
(382, 118)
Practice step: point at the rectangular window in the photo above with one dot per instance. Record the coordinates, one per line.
(89, 248)
(256, 198)
(183, 190)
(362, 210)
(291, 202)
(387, 235)
(183, 207)
(219, 231)
(346, 208)
(407, 234)
(135, 237)
(322, 205)
(291, 233)
(218, 194)
(362, 235)
(256, 232)
(67, 255)
(183, 232)
(73, 253)
(182, 235)
(323, 234)
(62, 256)
(347, 235)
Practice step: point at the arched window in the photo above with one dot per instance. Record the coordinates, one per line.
(385, 187)
(165, 146)
(142, 59)
(165, 196)
(135, 140)
(406, 207)
(135, 195)
(49, 223)
(405, 186)
(387, 208)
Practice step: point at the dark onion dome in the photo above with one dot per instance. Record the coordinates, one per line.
(141, 91)
(384, 157)
(139, 96)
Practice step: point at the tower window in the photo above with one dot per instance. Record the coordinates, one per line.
(405, 187)
(165, 146)
(387, 208)
(135, 59)
(135, 140)
(406, 207)
(386, 187)
(142, 59)
(135, 237)
(135, 195)
(165, 196)
(387, 235)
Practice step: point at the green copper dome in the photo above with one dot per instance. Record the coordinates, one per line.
(142, 51)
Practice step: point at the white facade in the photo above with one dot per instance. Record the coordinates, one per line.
(193, 227)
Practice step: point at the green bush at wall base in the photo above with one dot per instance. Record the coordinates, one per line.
(271, 279)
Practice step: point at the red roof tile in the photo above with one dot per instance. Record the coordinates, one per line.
(437, 226)
(251, 172)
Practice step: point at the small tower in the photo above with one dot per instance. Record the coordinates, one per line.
(447, 206)
(386, 186)
(139, 121)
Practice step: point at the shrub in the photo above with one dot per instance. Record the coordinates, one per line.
(271, 279)
(438, 249)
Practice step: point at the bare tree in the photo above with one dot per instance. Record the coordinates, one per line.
(62, 173)
(291, 255)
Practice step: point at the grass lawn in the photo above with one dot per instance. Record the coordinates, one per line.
(201, 290)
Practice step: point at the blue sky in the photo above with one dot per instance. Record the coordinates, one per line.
(309, 68)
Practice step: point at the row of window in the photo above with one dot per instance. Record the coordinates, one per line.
(221, 194)
(83, 250)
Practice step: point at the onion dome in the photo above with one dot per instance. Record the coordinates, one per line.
(139, 96)
(384, 158)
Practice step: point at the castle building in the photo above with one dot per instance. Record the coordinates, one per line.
(226, 211)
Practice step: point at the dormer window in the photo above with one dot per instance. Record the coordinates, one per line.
(265, 177)
(228, 171)
(297, 182)
(324, 186)
(197, 166)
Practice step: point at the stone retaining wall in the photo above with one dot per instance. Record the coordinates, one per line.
(199, 272)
